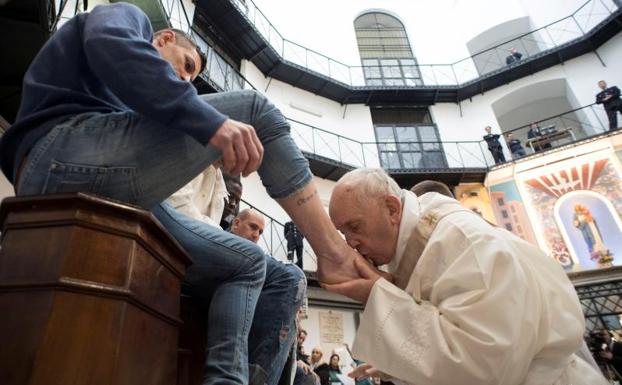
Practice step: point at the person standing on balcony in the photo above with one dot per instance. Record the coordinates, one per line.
(108, 108)
(295, 242)
(609, 97)
(513, 57)
(494, 146)
(515, 146)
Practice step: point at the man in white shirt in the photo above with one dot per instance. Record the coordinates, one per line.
(469, 304)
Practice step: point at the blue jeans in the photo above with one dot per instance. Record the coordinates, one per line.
(131, 158)
(227, 276)
(274, 327)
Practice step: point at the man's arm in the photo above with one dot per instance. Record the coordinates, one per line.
(600, 97)
(615, 92)
(117, 42)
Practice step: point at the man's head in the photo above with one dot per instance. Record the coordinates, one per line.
(534, 125)
(508, 136)
(366, 207)
(602, 84)
(431, 186)
(316, 354)
(488, 129)
(178, 48)
(512, 50)
(249, 224)
(302, 336)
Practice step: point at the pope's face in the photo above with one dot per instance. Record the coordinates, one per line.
(370, 225)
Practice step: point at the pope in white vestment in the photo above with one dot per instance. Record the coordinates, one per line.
(470, 303)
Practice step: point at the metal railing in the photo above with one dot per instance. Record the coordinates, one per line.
(584, 122)
(533, 44)
(427, 155)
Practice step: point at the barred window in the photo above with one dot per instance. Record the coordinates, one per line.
(385, 51)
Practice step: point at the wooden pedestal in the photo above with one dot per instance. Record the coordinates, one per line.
(89, 293)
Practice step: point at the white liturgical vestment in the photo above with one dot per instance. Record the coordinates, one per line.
(471, 304)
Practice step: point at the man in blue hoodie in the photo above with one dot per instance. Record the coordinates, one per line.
(108, 108)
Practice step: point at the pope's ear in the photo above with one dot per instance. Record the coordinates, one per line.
(394, 205)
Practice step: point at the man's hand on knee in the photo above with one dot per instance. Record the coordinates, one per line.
(242, 152)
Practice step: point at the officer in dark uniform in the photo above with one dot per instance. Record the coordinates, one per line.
(516, 148)
(294, 242)
(494, 146)
(610, 99)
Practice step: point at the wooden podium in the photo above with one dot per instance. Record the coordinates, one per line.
(89, 293)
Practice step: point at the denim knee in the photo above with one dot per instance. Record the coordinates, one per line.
(256, 260)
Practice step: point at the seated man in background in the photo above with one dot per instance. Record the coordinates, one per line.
(470, 303)
(108, 108)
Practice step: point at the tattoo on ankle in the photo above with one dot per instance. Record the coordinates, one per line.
(306, 199)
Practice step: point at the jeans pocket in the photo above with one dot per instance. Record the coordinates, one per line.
(117, 182)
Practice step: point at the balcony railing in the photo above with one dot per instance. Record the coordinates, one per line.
(273, 241)
(533, 44)
(584, 122)
(428, 155)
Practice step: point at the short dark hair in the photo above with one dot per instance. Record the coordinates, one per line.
(186, 40)
(431, 186)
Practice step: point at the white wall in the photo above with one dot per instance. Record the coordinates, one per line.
(312, 326)
(582, 75)
(352, 120)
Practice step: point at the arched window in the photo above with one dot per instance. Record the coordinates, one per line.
(385, 51)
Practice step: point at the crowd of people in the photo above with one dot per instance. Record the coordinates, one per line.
(108, 108)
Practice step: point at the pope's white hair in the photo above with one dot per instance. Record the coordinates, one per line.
(370, 182)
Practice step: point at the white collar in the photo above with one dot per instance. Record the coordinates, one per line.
(411, 211)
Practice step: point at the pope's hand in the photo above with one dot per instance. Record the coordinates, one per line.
(364, 371)
(359, 288)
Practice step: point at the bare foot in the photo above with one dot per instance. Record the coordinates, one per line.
(331, 271)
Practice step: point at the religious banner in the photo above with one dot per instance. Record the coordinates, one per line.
(576, 204)
(331, 327)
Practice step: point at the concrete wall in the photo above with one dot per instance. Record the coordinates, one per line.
(312, 326)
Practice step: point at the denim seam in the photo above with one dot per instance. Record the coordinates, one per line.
(30, 166)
